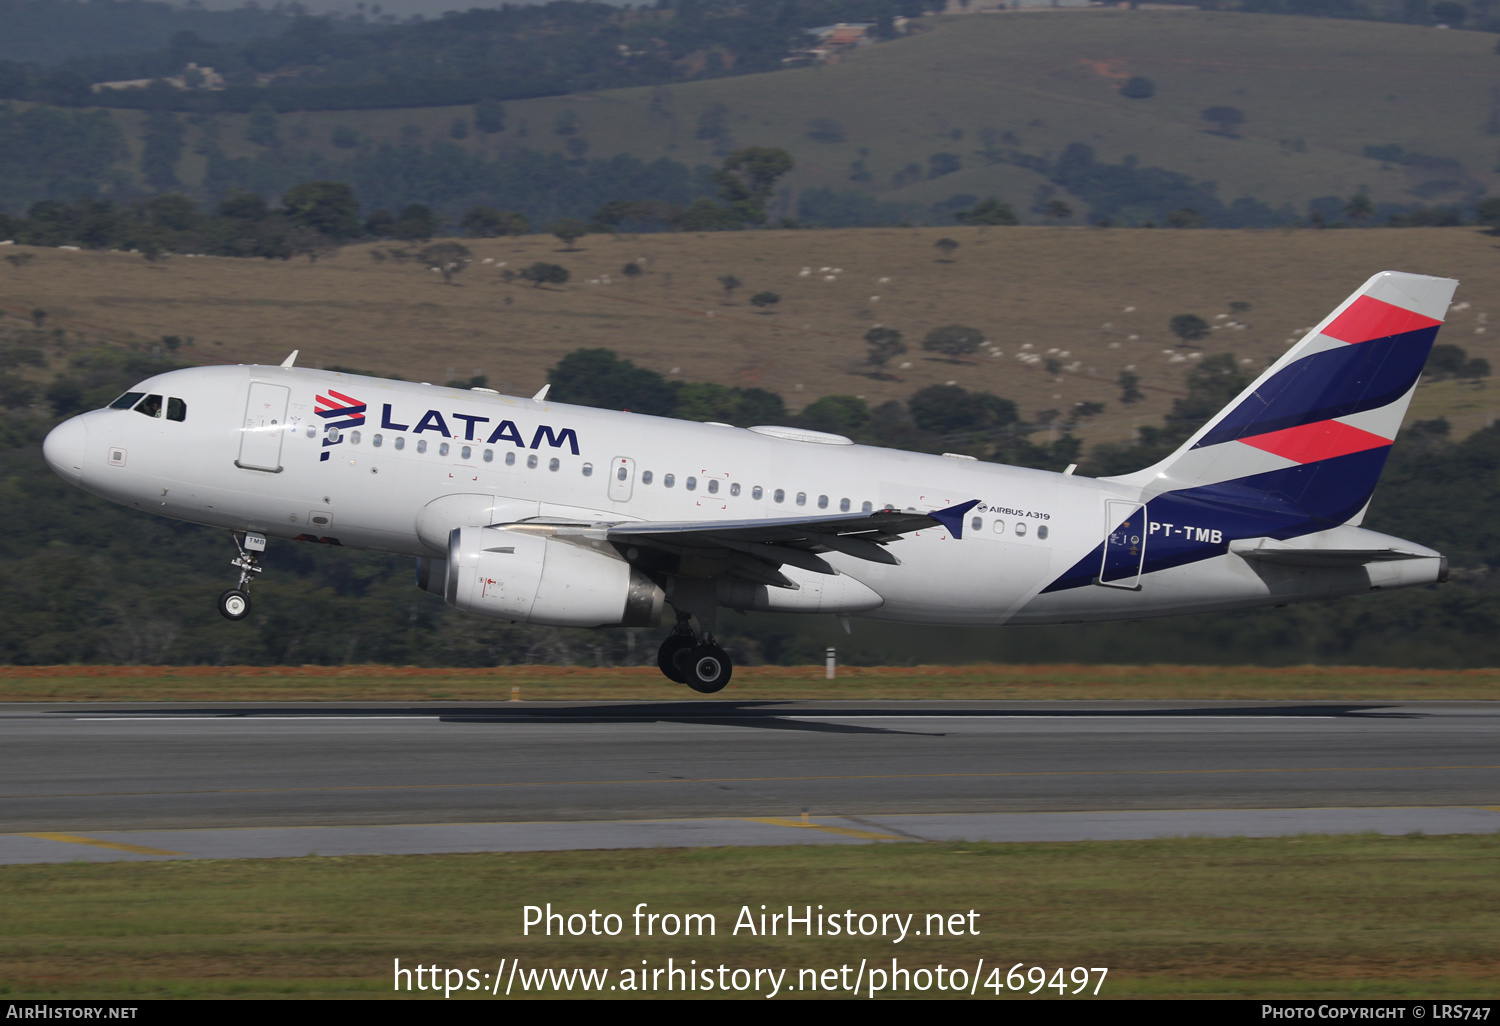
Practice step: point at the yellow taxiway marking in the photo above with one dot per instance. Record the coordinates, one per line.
(135, 849)
(759, 780)
(866, 835)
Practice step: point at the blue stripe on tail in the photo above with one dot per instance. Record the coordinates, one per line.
(1333, 383)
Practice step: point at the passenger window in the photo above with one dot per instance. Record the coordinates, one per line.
(668, 481)
(489, 455)
(622, 474)
(822, 502)
(176, 409)
(510, 459)
(802, 498)
(692, 484)
(465, 453)
(150, 406)
(999, 526)
(126, 401)
(1021, 530)
(977, 523)
(1041, 532)
(843, 505)
(713, 486)
(354, 438)
(375, 441)
(553, 464)
(756, 492)
(312, 432)
(443, 449)
(734, 489)
(867, 507)
(333, 433)
(400, 441)
(588, 470)
(531, 462)
(421, 445)
(779, 495)
(645, 477)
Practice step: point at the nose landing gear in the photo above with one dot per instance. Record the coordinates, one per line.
(234, 604)
(697, 661)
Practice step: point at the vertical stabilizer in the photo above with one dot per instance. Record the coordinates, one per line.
(1312, 433)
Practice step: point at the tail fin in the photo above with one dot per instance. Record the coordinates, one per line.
(1311, 435)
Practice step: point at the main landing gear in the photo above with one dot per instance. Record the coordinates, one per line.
(696, 661)
(234, 604)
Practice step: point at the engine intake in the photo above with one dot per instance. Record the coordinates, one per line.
(528, 577)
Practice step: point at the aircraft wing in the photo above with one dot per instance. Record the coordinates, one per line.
(757, 549)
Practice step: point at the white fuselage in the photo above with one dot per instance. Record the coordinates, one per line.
(219, 467)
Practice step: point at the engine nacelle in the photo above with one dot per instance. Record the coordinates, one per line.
(529, 577)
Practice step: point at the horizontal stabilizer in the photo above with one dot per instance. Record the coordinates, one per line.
(1269, 550)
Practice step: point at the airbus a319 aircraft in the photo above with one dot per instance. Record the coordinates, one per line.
(540, 512)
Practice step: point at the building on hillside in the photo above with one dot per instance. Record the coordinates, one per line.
(191, 77)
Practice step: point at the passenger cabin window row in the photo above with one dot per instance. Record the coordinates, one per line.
(151, 405)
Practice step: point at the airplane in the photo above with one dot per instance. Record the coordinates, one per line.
(540, 512)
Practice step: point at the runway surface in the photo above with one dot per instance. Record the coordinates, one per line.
(188, 779)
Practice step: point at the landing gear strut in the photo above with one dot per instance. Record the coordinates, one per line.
(694, 660)
(234, 604)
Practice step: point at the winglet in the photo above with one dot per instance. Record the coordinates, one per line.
(290, 360)
(543, 393)
(953, 517)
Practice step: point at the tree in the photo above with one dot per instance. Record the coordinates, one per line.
(748, 177)
(946, 247)
(885, 344)
(1056, 210)
(763, 301)
(1189, 327)
(448, 257)
(1488, 214)
(988, 212)
(541, 273)
(569, 230)
(416, 221)
(326, 207)
(1225, 117)
(950, 410)
(1138, 88)
(840, 414)
(1130, 391)
(729, 283)
(632, 270)
(488, 222)
(489, 116)
(1359, 208)
(599, 378)
(953, 341)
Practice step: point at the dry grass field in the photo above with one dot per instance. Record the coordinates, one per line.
(751, 684)
(1098, 300)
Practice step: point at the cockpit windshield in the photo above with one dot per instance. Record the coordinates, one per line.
(126, 401)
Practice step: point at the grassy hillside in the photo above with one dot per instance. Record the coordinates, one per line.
(1315, 93)
(1098, 300)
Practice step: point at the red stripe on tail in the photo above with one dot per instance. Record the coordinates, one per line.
(1369, 318)
(1313, 442)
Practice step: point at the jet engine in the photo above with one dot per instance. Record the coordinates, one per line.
(529, 577)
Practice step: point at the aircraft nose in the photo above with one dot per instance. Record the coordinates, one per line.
(64, 448)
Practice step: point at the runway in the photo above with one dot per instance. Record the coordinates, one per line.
(539, 776)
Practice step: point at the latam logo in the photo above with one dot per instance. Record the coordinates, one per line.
(339, 411)
(504, 431)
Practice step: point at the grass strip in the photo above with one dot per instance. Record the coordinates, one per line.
(751, 683)
(1302, 917)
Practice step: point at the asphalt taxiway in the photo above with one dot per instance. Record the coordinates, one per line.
(149, 781)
